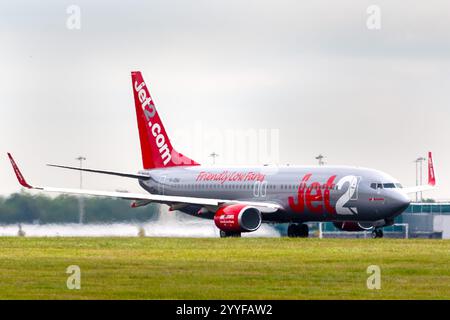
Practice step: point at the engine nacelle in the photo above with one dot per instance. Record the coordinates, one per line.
(238, 218)
(352, 226)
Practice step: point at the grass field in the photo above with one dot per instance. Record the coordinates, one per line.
(246, 268)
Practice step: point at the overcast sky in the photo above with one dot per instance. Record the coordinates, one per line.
(313, 71)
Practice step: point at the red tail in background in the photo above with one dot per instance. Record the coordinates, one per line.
(431, 176)
(157, 151)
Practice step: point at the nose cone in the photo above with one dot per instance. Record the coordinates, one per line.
(398, 203)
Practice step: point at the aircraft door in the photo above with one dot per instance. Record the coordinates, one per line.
(377, 198)
(354, 186)
(161, 184)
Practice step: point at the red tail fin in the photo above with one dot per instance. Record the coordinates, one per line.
(157, 151)
(431, 176)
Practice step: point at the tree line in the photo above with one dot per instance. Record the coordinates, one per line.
(28, 208)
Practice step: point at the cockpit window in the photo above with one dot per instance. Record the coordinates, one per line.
(376, 186)
(388, 185)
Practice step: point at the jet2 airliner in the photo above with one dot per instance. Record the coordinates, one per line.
(241, 199)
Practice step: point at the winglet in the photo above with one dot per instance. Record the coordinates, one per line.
(19, 175)
(431, 176)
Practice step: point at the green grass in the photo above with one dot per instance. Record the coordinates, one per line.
(246, 268)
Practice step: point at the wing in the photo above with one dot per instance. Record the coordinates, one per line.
(418, 189)
(431, 179)
(120, 174)
(265, 207)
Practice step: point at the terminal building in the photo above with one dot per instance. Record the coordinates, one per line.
(420, 220)
(429, 220)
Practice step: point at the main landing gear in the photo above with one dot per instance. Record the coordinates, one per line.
(377, 233)
(298, 230)
(226, 234)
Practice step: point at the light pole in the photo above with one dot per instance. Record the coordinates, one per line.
(214, 155)
(320, 158)
(80, 198)
(419, 162)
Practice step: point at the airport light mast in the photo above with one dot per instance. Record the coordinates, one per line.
(320, 158)
(419, 162)
(80, 198)
(214, 155)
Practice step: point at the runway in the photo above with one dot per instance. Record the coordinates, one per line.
(166, 226)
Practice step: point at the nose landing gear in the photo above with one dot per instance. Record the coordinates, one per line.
(377, 233)
(298, 230)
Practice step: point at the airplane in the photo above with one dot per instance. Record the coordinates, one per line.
(240, 199)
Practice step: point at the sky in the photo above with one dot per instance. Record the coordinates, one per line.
(312, 76)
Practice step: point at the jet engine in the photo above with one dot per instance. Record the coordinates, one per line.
(352, 226)
(238, 218)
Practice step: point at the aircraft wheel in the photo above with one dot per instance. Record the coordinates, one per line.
(377, 233)
(303, 231)
(225, 234)
(291, 231)
(298, 230)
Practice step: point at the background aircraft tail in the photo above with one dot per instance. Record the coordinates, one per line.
(157, 151)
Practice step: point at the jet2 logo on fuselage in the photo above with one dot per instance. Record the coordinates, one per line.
(316, 197)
